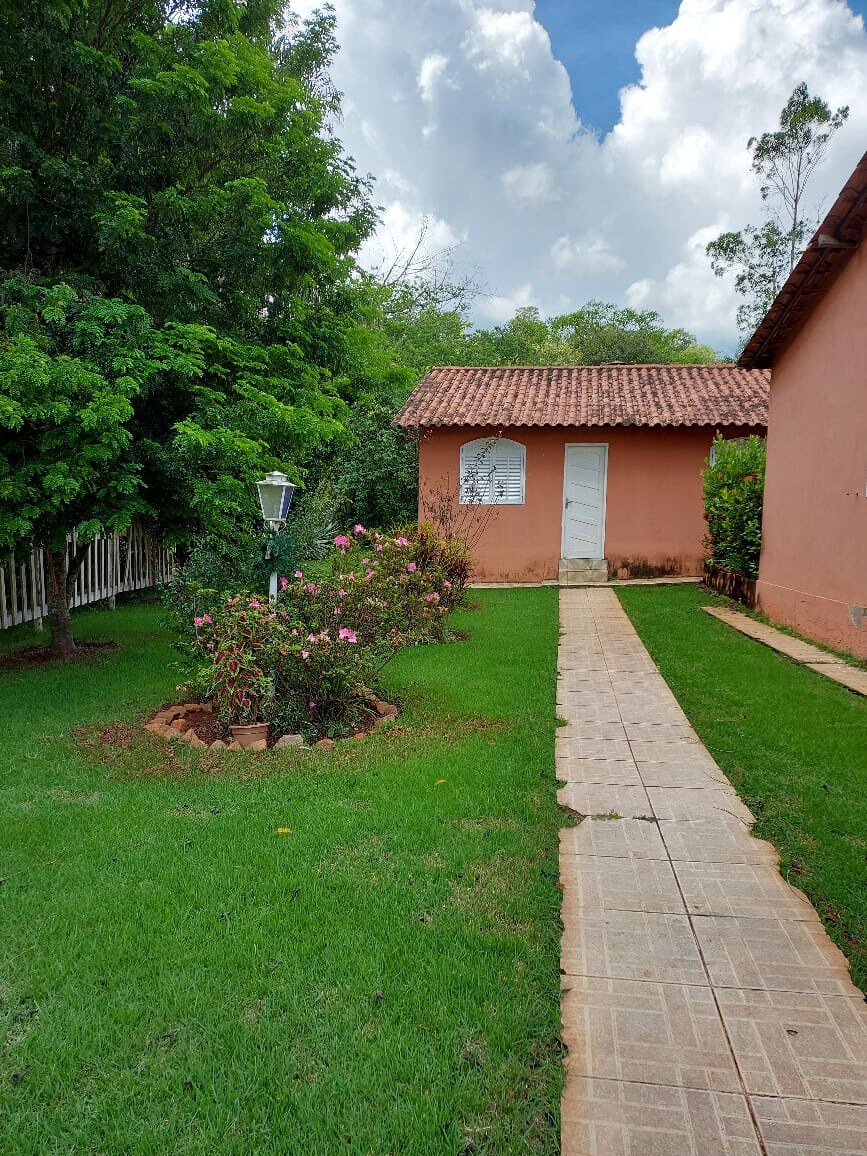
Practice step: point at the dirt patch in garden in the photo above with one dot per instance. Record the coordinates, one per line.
(117, 735)
(32, 656)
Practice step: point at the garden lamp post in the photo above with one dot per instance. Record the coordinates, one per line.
(275, 498)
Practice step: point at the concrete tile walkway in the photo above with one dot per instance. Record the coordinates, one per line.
(705, 1010)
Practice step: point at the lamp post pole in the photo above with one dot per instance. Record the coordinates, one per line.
(275, 498)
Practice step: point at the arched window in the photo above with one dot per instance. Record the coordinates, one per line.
(493, 472)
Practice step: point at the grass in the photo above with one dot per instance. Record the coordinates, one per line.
(793, 744)
(178, 977)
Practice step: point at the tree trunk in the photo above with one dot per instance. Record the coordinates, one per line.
(57, 573)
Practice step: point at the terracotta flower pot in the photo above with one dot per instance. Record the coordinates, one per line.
(250, 733)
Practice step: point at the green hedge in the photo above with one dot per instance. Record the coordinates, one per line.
(733, 490)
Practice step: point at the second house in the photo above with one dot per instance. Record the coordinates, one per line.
(558, 471)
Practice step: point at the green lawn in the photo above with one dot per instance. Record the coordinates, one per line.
(793, 744)
(178, 977)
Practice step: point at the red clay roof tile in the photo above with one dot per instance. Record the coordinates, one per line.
(589, 395)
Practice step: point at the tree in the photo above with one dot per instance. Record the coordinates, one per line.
(600, 334)
(596, 334)
(174, 158)
(70, 370)
(759, 256)
(762, 256)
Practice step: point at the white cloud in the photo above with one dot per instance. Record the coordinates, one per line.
(500, 308)
(530, 182)
(462, 111)
(407, 235)
(430, 72)
(592, 256)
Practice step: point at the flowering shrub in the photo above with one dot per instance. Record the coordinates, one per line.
(394, 588)
(449, 556)
(304, 663)
(320, 681)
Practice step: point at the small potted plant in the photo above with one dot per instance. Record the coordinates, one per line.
(236, 647)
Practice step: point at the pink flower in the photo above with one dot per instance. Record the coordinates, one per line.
(347, 634)
(342, 542)
(298, 574)
(255, 604)
(284, 583)
(379, 545)
(431, 597)
(208, 619)
(341, 593)
(401, 541)
(305, 653)
(311, 637)
(411, 567)
(447, 584)
(312, 705)
(312, 588)
(359, 529)
(198, 621)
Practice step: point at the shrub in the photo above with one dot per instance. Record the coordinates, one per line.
(306, 663)
(432, 551)
(236, 646)
(733, 489)
(320, 682)
(215, 568)
(380, 583)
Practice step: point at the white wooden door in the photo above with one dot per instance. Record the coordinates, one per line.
(584, 501)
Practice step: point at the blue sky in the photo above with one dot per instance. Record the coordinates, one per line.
(595, 40)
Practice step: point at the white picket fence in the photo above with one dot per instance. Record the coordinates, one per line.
(113, 564)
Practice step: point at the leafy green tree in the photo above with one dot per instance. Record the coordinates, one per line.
(176, 157)
(596, 334)
(600, 334)
(762, 256)
(71, 370)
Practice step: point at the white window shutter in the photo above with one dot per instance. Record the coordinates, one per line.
(493, 472)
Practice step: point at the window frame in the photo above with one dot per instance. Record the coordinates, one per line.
(490, 444)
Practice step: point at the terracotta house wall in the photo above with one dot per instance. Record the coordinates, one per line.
(813, 571)
(654, 520)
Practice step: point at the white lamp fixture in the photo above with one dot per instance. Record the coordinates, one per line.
(275, 498)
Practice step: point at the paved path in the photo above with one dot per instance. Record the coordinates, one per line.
(705, 1009)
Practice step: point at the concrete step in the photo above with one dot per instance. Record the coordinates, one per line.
(582, 563)
(583, 571)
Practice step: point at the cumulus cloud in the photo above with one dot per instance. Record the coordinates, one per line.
(463, 113)
(499, 308)
(530, 182)
(592, 256)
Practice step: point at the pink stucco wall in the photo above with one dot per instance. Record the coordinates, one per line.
(813, 571)
(654, 516)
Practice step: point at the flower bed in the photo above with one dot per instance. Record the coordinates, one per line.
(305, 663)
(195, 723)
